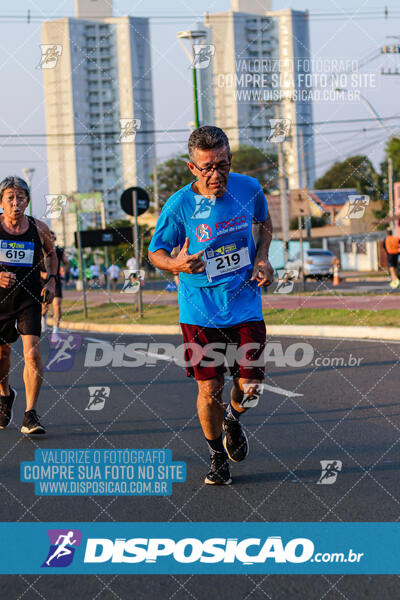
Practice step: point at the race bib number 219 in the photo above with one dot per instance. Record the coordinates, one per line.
(226, 259)
(16, 254)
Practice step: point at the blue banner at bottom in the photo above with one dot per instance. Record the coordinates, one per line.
(199, 548)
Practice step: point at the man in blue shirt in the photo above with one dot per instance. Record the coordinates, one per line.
(220, 274)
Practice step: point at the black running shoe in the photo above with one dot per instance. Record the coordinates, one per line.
(31, 424)
(6, 412)
(235, 440)
(219, 470)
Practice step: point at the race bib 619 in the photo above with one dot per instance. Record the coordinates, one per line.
(16, 254)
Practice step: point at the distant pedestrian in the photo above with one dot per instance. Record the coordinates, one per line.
(392, 246)
(95, 273)
(131, 263)
(113, 271)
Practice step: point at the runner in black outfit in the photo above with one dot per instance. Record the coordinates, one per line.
(57, 302)
(23, 240)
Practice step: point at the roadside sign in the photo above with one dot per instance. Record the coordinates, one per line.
(105, 237)
(142, 201)
(300, 203)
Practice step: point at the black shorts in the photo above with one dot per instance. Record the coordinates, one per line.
(25, 322)
(58, 290)
(392, 260)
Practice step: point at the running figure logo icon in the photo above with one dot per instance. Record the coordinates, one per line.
(286, 279)
(54, 205)
(329, 471)
(98, 396)
(202, 55)
(62, 351)
(63, 543)
(280, 129)
(129, 128)
(133, 281)
(203, 232)
(357, 206)
(50, 55)
(203, 206)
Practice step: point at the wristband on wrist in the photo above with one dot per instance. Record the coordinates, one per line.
(50, 276)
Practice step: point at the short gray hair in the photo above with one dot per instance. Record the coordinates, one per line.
(207, 138)
(13, 181)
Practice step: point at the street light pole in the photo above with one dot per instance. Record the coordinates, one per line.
(195, 34)
(195, 96)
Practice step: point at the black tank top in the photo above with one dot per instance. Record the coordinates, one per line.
(20, 254)
(59, 252)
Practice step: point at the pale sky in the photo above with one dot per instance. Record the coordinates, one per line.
(349, 29)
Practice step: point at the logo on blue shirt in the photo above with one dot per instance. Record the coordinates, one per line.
(203, 207)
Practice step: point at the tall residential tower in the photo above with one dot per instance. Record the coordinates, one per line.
(98, 82)
(256, 74)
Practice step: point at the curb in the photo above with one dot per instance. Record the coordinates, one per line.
(327, 331)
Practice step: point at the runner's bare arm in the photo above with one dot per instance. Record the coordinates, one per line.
(263, 271)
(183, 262)
(50, 259)
(65, 262)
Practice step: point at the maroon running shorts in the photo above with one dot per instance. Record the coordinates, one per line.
(252, 332)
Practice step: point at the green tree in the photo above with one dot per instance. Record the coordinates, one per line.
(353, 172)
(174, 173)
(252, 161)
(392, 150)
(121, 253)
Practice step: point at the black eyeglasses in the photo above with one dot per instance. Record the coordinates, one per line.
(222, 167)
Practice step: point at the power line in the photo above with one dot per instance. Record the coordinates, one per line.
(379, 13)
(140, 132)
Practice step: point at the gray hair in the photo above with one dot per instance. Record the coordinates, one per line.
(207, 138)
(13, 181)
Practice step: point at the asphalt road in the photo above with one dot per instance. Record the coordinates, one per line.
(340, 412)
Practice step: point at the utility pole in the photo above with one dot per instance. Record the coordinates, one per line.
(106, 258)
(137, 255)
(390, 186)
(307, 218)
(283, 195)
(155, 179)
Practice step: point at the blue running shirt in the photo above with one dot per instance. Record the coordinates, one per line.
(223, 295)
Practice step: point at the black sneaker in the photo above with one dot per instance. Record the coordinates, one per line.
(235, 440)
(219, 470)
(6, 412)
(31, 425)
